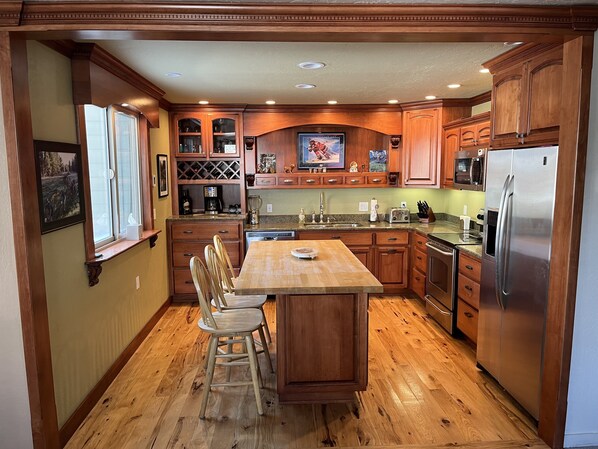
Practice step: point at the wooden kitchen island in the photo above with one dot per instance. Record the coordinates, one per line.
(321, 317)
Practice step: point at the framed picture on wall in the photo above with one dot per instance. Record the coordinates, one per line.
(321, 150)
(59, 184)
(162, 175)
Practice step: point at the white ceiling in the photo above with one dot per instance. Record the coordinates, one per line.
(355, 73)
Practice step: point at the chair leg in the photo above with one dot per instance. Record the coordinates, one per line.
(229, 350)
(265, 347)
(254, 374)
(209, 375)
(265, 322)
(207, 361)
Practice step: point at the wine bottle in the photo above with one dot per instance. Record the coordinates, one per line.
(186, 203)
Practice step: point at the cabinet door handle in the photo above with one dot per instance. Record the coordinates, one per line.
(391, 239)
(188, 282)
(336, 237)
(467, 287)
(188, 254)
(468, 314)
(417, 278)
(223, 231)
(187, 232)
(310, 181)
(332, 181)
(469, 267)
(419, 258)
(392, 251)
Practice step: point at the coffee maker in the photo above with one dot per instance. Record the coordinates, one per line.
(212, 199)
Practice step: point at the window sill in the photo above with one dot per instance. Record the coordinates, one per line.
(94, 266)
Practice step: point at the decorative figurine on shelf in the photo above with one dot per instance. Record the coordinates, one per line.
(353, 167)
(289, 168)
(363, 167)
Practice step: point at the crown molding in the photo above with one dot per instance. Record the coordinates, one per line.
(10, 13)
(482, 98)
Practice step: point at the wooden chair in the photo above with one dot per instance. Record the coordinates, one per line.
(232, 327)
(228, 282)
(225, 302)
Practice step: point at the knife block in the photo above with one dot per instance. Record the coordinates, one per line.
(431, 216)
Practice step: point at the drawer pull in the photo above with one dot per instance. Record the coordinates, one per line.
(417, 278)
(419, 258)
(336, 237)
(376, 180)
(187, 232)
(287, 181)
(392, 239)
(467, 287)
(469, 267)
(223, 231)
(188, 254)
(468, 314)
(355, 181)
(310, 181)
(392, 251)
(188, 282)
(332, 181)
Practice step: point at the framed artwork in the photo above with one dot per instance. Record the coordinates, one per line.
(321, 150)
(267, 163)
(59, 184)
(162, 175)
(378, 160)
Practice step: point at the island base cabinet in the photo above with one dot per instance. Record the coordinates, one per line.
(321, 347)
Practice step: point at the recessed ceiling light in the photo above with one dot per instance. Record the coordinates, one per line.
(311, 65)
(332, 102)
(484, 70)
(270, 102)
(305, 86)
(203, 102)
(125, 105)
(393, 101)
(173, 75)
(430, 97)
(454, 86)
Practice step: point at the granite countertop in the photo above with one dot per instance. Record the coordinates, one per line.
(471, 250)
(208, 217)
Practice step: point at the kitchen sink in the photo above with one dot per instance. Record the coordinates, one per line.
(331, 225)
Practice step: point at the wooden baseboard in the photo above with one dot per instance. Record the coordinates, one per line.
(75, 420)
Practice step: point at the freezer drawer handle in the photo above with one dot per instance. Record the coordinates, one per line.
(429, 301)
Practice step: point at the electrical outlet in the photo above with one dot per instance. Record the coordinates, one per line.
(268, 208)
(363, 206)
(137, 283)
(403, 203)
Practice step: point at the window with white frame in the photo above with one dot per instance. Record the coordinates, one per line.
(114, 171)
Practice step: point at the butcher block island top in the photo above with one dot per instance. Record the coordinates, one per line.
(321, 316)
(270, 268)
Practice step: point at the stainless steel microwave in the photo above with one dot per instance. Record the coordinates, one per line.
(470, 169)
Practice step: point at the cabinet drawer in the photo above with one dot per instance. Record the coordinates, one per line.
(288, 180)
(420, 261)
(467, 320)
(183, 282)
(310, 181)
(354, 180)
(468, 290)
(349, 238)
(470, 267)
(332, 180)
(419, 242)
(418, 283)
(265, 180)
(205, 231)
(377, 179)
(392, 238)
(182, 252)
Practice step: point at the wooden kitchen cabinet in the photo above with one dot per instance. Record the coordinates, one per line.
(188, 238)
(359, 242)
(420, 147)
(526, 95)
(419, 263)
(203, 135)
(452, 143)
(476, 134)
(468, 293)
(392, 260)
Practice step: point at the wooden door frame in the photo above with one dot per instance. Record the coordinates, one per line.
(340, 23)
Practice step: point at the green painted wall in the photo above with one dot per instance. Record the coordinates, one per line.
(90, 327)
(480, 108)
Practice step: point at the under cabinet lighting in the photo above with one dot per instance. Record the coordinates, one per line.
(430, 97)
(270, 102)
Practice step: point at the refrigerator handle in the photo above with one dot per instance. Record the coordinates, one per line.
(500, 241)
(507, 239)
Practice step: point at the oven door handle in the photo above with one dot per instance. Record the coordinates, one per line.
(429, 301)
(435, 248)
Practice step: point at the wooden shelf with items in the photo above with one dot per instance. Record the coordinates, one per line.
(323, 180)
(460, 135)
(526, 95)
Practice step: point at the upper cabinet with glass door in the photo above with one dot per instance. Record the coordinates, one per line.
(206, 135)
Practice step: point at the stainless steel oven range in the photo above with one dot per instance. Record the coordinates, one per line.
(441, 294)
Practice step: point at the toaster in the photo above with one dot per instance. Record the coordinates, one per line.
(398, 215)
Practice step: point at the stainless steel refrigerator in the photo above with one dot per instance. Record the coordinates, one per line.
(520, 188)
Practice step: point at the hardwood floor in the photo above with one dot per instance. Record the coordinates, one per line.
(424, 391)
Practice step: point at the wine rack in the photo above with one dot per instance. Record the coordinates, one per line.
(208, 170)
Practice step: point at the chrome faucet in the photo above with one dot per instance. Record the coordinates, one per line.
(321, 207)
